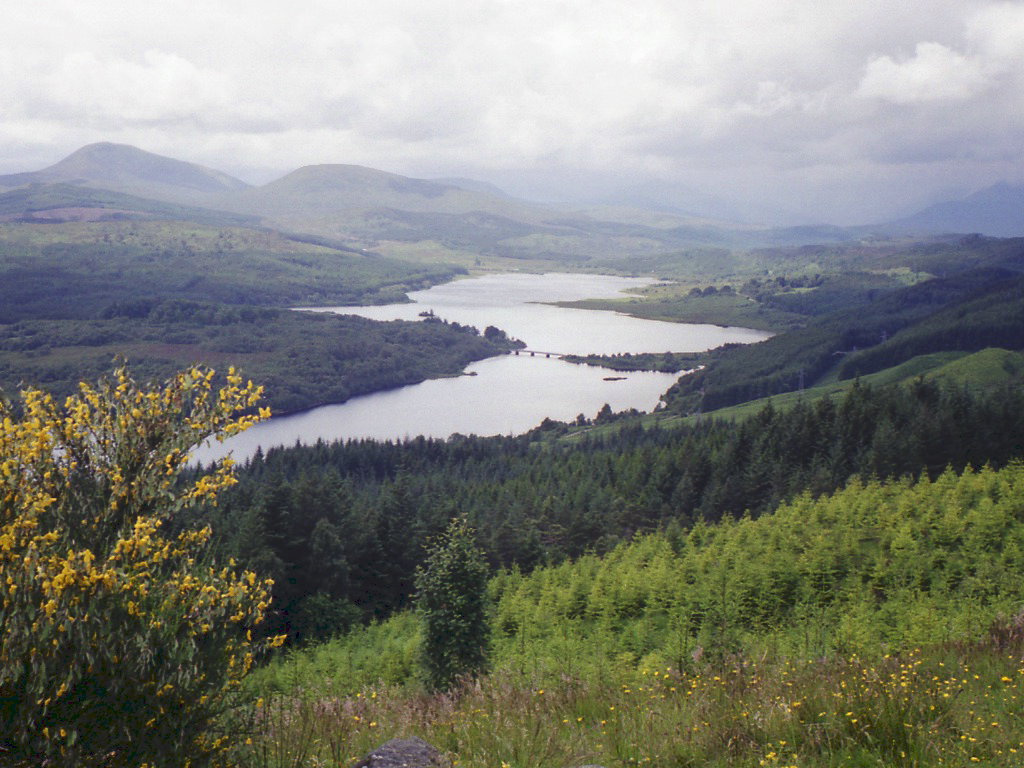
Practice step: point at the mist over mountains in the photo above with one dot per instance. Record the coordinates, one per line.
(365, 205)
(997, 210)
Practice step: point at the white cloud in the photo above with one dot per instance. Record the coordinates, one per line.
(934, 73)
(157, 86)
(998, 32)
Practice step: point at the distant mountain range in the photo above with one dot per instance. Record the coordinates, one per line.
(997, 211)
(312, 190)
(323, 190)
(364, 206)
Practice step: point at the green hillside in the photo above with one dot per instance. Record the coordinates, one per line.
(993, 318)
(975, 309)
(988, 369)
(61, 271)
(874, 567)
(985, 369)
(878, 626)
(164, 294)
(57, 202)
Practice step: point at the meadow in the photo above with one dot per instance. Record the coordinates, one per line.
(956, 704)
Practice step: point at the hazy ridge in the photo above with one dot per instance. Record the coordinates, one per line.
(365, 207)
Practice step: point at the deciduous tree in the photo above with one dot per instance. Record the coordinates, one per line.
(451, 590)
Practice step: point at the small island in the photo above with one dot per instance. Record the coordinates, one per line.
(662, 362)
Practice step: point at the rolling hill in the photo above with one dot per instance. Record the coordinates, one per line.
(366, 208)
(127, 169)
(317, 190)
(457, 220)
(64, 202)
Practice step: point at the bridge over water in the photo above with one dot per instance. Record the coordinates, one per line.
(538, 353)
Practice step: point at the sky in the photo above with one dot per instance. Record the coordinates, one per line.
(781, 111)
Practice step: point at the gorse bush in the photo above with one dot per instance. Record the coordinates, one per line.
(121, 643)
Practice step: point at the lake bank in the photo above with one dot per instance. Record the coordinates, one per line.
(507, 394)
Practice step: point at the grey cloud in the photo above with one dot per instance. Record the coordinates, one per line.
(795, 104)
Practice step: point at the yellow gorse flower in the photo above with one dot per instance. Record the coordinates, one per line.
(91, 573)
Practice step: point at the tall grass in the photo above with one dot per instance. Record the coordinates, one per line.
(953, 705)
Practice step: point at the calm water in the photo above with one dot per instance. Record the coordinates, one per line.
(508, 394)
(512, 302)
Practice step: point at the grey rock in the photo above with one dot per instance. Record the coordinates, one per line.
(405, 753)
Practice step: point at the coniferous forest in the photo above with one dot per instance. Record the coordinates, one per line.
(369, 508)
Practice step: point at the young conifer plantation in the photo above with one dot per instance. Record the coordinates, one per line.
(878, 625)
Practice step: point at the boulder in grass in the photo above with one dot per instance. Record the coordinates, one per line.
(405, 753)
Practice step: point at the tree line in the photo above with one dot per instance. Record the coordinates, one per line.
(341, 528)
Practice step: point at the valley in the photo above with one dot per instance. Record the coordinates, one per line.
(766, 510)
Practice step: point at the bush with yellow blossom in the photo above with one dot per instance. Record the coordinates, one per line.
(121, 642)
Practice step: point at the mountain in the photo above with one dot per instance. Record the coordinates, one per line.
(361, 207)
(365, 207)
(133, 171)
(997, 211)
(474, 185)
(324, 190)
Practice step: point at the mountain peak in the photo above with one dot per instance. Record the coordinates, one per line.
(332, 188)
(124, 168)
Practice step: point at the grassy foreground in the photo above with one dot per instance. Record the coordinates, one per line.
(954, 705)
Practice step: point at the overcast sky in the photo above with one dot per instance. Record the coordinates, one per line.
(802, 110)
